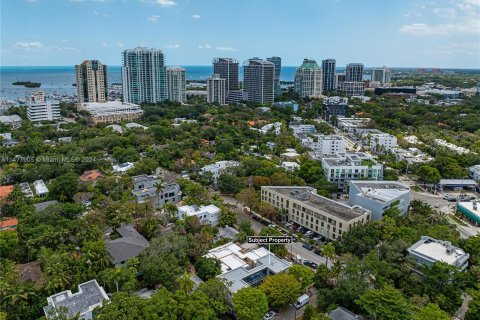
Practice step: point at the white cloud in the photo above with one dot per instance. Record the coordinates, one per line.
(119, 44)
(204, 46)
(464, 18)
(196, 16)
(172, 46)
(89, 0)
(164, 3)
(28, 45)
(104, 45)
(153, 18)
(226, 49)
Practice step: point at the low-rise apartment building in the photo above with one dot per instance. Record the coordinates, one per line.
(428, 250)
(323, 145)
(310, 210)
(378, 196)
(378, 141)
(411, 155)
(39, 109)
(353, 124)
(112, 111)
(351, 166)
(303, 128)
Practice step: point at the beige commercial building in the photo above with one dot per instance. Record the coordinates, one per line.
(112, 111)
(92, 83)
(305, 207)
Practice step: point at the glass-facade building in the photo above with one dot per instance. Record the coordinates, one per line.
(143, 75)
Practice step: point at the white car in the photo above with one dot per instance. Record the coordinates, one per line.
(272, 225)
(269, 315)
(437, 205)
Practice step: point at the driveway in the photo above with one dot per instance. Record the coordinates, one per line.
(291, 313)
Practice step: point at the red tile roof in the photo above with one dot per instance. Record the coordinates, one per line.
(8, 224)
(5, 191)
(91, 175)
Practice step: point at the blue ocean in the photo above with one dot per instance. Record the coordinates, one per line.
(59, 79)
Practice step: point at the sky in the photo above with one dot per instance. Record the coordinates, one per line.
(395, 33)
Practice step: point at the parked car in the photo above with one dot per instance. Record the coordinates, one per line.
(308, 246)
(310, 263)
(317, 238)
(304, 299)
(317, 252)
(271, 225)
(288, 224)
(308, 232)
(256, 218)
(294, 238)
(269, 315)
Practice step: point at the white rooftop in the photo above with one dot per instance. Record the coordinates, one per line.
(381, 191)
(194, 210)
(437, 250)
(40, 187)
(106, 108)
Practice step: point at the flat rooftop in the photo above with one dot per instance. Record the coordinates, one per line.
(437, 250)
(469, 206)
(380, 191)
(238, 263)
(308, 196)
(98, 108)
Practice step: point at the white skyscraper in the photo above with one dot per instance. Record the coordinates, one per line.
(176, 84)
(143, 75)
(216, 89)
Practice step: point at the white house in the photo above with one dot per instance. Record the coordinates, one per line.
(89, 296)
(290, 166)
(40, 188)
(206, 214)
(219, 167)
(123, 167)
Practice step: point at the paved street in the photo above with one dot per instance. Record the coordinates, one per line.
(290, 314)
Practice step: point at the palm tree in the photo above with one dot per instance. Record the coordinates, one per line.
(185, 283)
(328, 251)
(171, 211)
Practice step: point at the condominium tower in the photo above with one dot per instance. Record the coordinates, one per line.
(328, 70)
(227, 68)
(143, 75)
(308, 79)
(354, 72)
(216, 89)
(382, 75)
(176, 84)
(258, 80)
(277, 61)
(92, 83)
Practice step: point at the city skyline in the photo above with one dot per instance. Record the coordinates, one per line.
(440, 33)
